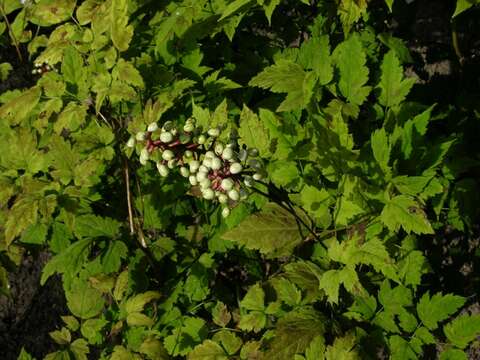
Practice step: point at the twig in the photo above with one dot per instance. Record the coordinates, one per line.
(10, 30)
(455, 43)
(129, 198)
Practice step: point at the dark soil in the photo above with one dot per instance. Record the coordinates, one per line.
(32, 311)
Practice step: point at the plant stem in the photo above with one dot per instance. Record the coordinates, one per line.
(10, 30)
(455, 43)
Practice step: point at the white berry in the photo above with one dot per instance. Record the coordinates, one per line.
(140, 136)
(162, 169)
(208, 194)
(225, 212)
(152, 127)
(234, 195)
(131, 142)
(184, 171)
(236, 168)
(166, 137)
(227, 184)
(168, 155)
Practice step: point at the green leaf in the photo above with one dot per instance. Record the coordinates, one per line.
(438, 308)
(35, 234)
(220, 314)
(80, 349)
(71, 118)
(19, 108)
(120, 32)
(50, 12)
(92, 330)
(254, 299)
(72, 67)
(84, 301)
(5, 69)
(317, 203)
(463, 5)
(393, 87)
(316, 349)
(294, 332)
(185, 338)
(464, 329)
(381, 150)
(69, 261)
(389, 4)
(453, 354)
(126, 72)
(24, 355)
(286, 291)
(287, 77)
(112, 258)
(208, 350)
(269, 6)
(350, 11)
(332, 279)
(95, 226)
(229, 341)
(136, 304)
(353, 70)
(154, 349)
(343, 348)
(253, 132)
(139, 319)
(403, 211)
(400, 349)
(315, 55)
(233, 7)
(412, 267)
(61, 337)
(273, 231)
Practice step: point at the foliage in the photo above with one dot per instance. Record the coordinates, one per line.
(329, 257)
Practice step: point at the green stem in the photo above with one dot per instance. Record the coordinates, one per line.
(455, 42)
(10, 30)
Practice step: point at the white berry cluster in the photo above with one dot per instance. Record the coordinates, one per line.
(41, 68)
(222, 172)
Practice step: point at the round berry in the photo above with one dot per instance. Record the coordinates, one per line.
(193, 180)
(222, 198)
(168, 155)
(225, 212)
(201, 176)
(140, 136)
(207, 162)
(227, 153)
(188, 127)
(131, 142)
(248, 181)
(234, 195)
(208, 194)
(242, 155)
(166, 137)
(152, 127)
(205, 183)
(219, 148)
(203, 169)
(194, 165)
(216, 163)
(236, 168)
(188, 154)
(202, 139)
(172, 163)
(184, 171)
(214, 132)
(258, 176)
(162, 169)
(227, 184)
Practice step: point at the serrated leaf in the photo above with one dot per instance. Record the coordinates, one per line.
(92, 330)
(20, 107)
(316, 349)
(84, 301)
(400, 349)
(269, 6)
(139, 319)
(253, 132)
(353, 70)
(287, 77)
(437, 308)
(412, 267)
(294, 332)
(315, 55)
(233, 7)
(350, 11)
(221, 315)
(286, 291)
(393, 87)
(381, 149)
(462, 330)
(71, 118)
(332, 279)
(317, 203)
(229, 341)
(24, 355)
(403, 211)
(50, 12)
(35, 234)
(136, 303)
(154, 349)
(126, 72)
(96, 226)
(453, 354)
(72, 67)
(208, 350)
(343, 348)
(112, 257)
(273, 231)
(68, 261)
(120, 32)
